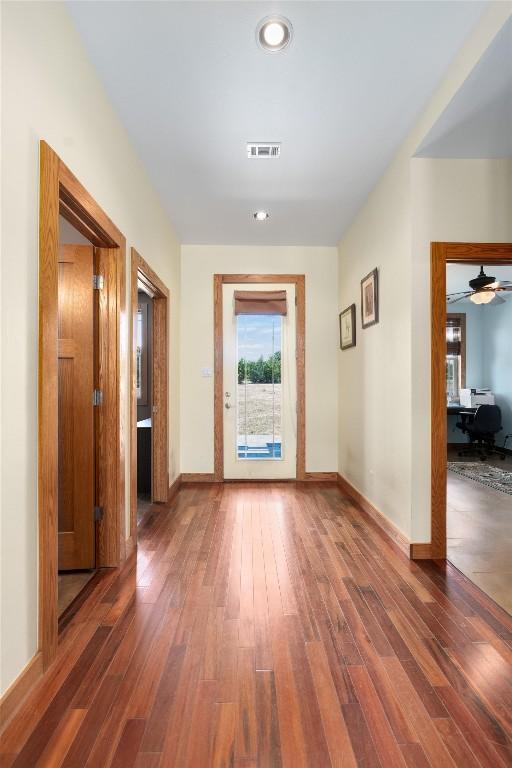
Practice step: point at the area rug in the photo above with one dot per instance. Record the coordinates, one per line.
(495, 477)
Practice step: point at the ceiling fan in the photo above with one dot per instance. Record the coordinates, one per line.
(484, 289)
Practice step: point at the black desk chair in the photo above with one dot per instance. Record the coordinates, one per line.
(481, 432)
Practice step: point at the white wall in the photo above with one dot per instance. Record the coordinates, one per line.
(374, 376)
(458, 200)
(50, 91)
(383, 443)
(199, 264)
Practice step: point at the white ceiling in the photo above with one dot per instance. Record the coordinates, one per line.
(459, 275)
(478, 120)
(192, 86)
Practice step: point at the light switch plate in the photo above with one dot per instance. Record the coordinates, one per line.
(206, 373)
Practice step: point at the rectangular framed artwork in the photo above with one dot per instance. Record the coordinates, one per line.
(370, 299)
(348, 327)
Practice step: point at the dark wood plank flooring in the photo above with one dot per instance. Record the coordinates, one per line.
(269, 625)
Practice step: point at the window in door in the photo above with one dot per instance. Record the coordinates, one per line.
(259, 387)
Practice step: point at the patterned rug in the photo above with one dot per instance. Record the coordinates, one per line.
(495, 477)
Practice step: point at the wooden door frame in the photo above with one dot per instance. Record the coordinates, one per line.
(300, 350)
(141, 271)
(442, 254)
(61, 192)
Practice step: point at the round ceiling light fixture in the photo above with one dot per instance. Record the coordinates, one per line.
(260, 215)
(482, 296)
(274, 33)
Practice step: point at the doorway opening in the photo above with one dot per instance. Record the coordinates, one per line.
(149, 377)
(479, 425)
(61, 194)
(470, 352)
(259, 340)
(143, 371)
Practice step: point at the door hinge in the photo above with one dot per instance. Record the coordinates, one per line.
(97, 397)
(97, 282)
(98, 513)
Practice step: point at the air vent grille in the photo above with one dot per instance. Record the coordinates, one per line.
(263, 151)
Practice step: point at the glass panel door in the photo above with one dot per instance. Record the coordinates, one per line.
(260, 411)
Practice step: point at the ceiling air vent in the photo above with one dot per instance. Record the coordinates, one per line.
(261, 151)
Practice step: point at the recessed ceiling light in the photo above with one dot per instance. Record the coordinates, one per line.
(260, 215)
(274, 33)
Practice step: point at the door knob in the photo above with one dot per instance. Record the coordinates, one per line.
(227, 405)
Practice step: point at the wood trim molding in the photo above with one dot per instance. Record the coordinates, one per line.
(421, 551)
(300, 350)
(174, 488)
(218, 363)
(160, 417)
(209, 477)
(149, 276)
(141, 271)
(199, 477)
(48, 400)
(441, 254)
(321, 477)
(60, 191)
(19, 689)
(381, 521)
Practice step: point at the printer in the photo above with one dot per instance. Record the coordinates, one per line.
(472, 398)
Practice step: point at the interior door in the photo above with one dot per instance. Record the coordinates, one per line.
(260, 389)
(76, 531)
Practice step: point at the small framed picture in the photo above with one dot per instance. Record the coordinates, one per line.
(370, 299)
(348, 327)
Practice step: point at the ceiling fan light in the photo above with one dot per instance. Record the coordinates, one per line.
(482, 297)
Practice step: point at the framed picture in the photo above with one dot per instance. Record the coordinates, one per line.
(370, 299)
(348, 327)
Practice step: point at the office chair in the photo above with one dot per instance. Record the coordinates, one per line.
(482, 432)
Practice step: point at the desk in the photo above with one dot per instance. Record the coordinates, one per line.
(466, 414)
(460, 410)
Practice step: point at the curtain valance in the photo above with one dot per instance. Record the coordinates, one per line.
(260, 302)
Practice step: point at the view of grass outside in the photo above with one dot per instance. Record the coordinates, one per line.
(259, 410)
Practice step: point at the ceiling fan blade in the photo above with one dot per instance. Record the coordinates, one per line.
(464, 296)
(497, 300)
(501, 288)
(458, 293)
(504, 284)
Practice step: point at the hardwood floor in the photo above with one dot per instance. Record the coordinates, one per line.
(268, 625)
(70, 585)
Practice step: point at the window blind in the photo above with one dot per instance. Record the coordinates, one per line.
(260, 303)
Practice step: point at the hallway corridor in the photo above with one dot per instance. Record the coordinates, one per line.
(268, 625)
